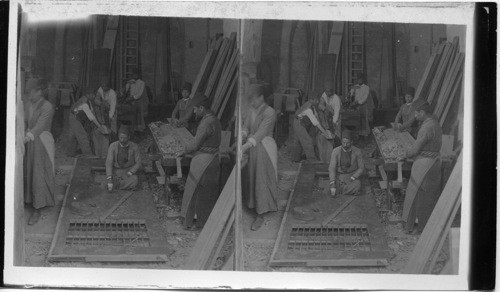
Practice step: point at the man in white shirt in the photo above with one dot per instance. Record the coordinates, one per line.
(330, 102)
(81, 122)
(306, 117)
(108, 96)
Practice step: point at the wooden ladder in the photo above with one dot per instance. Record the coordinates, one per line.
(129, 36)
(356, 41)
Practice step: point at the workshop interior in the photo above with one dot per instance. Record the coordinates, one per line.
(249, 145)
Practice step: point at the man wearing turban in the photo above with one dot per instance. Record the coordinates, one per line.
(202, 185)
(424, 187)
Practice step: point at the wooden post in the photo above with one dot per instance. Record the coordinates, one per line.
(18, 173)
(238, 218)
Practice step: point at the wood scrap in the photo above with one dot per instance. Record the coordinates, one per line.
(334, 214)
(438, 225)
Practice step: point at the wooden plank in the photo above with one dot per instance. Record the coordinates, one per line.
(201, 73)
(331, 263)
(439, 222)
(225, 81)
(342, 207)
(218, 66)
(455, 93)
(228, 96)
(61, 214)
(438, 77)
(283, 221)
(207, 239)
(222, 240)
(115, 206)
(429, 72)
(110, 258)
(449, 81)
(454, 248)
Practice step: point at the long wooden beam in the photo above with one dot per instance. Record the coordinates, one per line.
(438, 224)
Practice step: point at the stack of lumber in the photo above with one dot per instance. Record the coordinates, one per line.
(218, 74)
(430, 243)
(441, 82)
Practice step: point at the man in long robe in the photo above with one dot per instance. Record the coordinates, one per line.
(39, 168)
(424, 187)
(122, 163)
(260, 175)
(364, 102)
(304, 127)
(183, 113)
(346, 167)
(202, 185)
(405, 119)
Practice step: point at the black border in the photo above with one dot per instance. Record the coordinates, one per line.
(484, 201)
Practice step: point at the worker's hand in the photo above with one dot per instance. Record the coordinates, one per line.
(180, 154)
(333, 191)
(129, 173)
(26, 139)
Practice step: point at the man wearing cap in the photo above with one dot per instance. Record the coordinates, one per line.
(135, 93)
(424, 186)
(183, 113)
(82, 121)
(122, 163)
(405, 119)
(304, 125)
(260, 175)
(202, 185)
(39, 168)
(346, 167)
(108, 96)
(362, 99)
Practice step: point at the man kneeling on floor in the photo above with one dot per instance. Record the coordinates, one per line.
(122, 162)
(346, 168)
(202, 185)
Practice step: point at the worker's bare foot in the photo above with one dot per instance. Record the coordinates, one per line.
(34, 217)
(257, 223)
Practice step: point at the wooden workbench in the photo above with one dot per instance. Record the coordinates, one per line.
(391, 146)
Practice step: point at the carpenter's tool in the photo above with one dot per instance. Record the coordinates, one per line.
(330, 218)
(115, 206)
